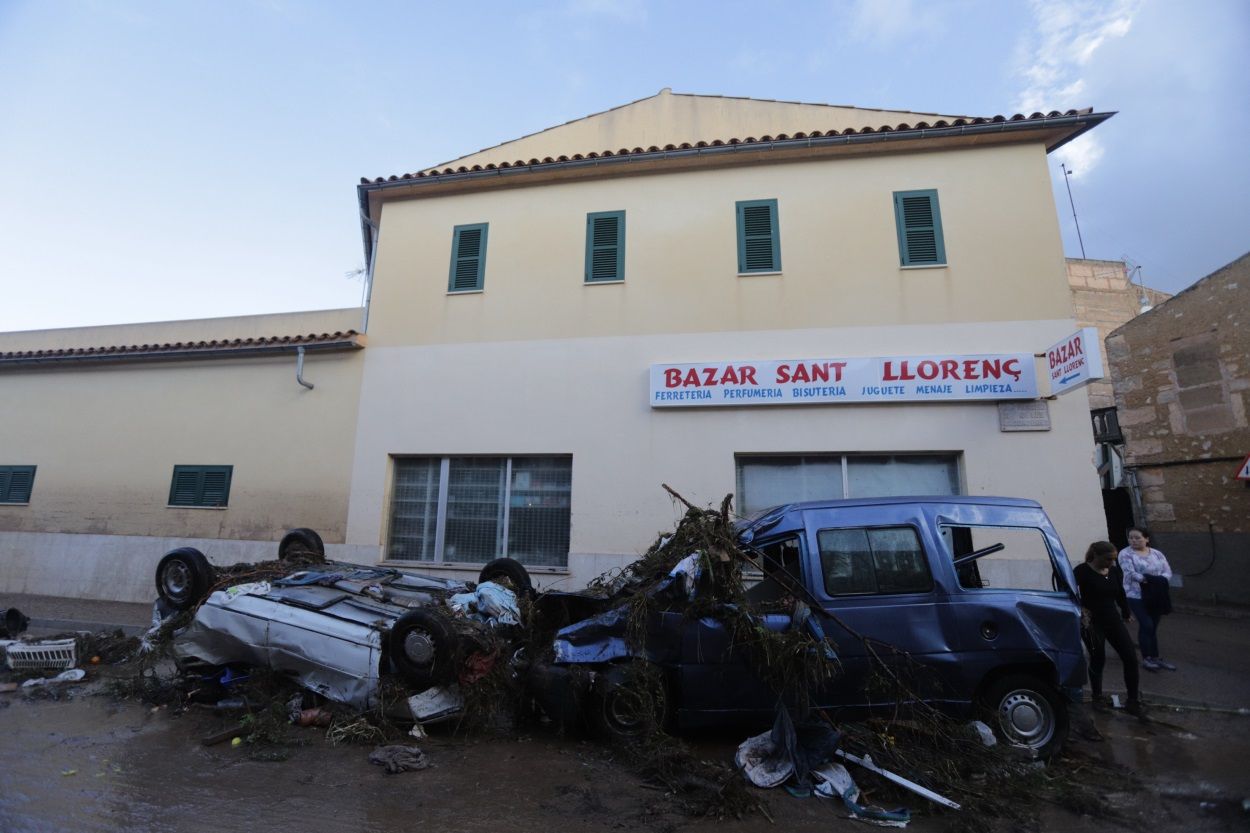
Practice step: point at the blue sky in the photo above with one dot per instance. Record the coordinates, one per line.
(167, 160)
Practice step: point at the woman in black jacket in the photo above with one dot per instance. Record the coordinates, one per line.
(1104, 610)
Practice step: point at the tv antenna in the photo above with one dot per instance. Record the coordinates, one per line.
(1067, 173)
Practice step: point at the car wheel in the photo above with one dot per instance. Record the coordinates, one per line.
(421, 648)
(302, 542)
(511, 569)
(631, 702)
(183, 577)
(1025, 711)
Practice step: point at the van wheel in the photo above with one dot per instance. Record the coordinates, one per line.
(302, 542)
(511, 569)
(183, 577)
(630, 702)
(421, 648)
(1025, 711)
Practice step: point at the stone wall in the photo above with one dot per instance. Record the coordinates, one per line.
(1104, 297)
(1182, 376)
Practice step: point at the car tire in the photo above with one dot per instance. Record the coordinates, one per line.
(183, 577)
(301, 541)
(421, 649)
(1024, 710)
(630, 703)
(511, 569)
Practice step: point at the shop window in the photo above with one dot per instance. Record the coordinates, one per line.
(200, 486)
(468, 258)
(470, 510)
(873, 561)
(759, 241)
(16, 483)
(765, 481)
(919, 224)
(1015, 558)
(605, 247)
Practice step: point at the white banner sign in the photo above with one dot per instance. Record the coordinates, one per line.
(944, 378)
(1075, 361)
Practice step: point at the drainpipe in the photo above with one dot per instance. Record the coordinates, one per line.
(373, 253)
(299, 367)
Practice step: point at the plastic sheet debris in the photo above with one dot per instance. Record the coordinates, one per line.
(399, 759)
(436, 704)
(687, 573)
(762, 762)
(71, 676)
(494, 602)
(985, 733)
(867, 763)
(836, 782)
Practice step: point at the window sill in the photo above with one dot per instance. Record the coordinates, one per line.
(924, 266)
(13, 503)
(465, 291)
(448, 566)
(602, 283)
(212, 508)
(758, 274)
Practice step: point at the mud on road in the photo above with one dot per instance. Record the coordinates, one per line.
(86, 762)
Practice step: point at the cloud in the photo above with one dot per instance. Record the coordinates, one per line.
(623, 11)
(1053, 58)
(1081, 155)
(886, 21)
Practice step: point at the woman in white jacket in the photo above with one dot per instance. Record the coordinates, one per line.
(1140, 563)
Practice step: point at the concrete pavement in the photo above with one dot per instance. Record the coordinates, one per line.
(51, 614)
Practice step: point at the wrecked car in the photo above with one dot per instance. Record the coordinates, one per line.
(337, 628)
(968, 603)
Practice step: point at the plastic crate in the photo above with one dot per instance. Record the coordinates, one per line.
(52, 655)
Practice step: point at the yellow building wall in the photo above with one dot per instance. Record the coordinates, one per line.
(542, 363)
(674, 118)
(105, 440)
(839, 252)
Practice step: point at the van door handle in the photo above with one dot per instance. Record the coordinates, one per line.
(989, 631)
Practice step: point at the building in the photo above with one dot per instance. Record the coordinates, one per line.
(1104, 297)
(779, 300)
(1181, 378)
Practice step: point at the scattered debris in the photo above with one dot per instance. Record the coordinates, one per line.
(73, 675)
(399, 759)
(12, 623)
(413, 651)
(42, 655)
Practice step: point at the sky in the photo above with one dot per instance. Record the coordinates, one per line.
(172, 160)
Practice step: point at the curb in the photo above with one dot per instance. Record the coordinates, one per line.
(80, 625)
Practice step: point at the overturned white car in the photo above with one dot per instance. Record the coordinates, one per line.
(339, 628)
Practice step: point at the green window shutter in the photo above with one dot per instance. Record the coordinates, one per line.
(605, 246)
(919, 225)
(759, 241)
(16, 483)
(216, 486)
(200, 486)
(468, 258)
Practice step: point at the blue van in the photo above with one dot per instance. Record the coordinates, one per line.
(974, 597)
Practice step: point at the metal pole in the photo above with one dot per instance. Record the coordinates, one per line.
(1066, 174)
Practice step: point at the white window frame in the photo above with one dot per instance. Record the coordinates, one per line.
(440, 527)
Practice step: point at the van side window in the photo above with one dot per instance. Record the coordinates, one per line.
(1022, 563)
(863, 561)
(785, 554)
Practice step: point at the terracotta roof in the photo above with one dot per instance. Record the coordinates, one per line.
(798, 138)
(224, 348)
